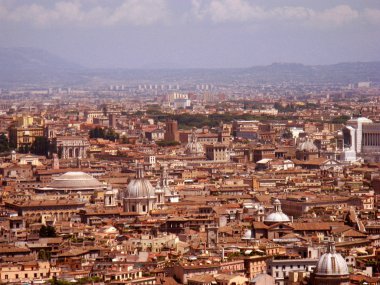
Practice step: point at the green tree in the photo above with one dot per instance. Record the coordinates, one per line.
(104, 133)
(340, 119)
(24, 149)
(4, 143)
(111, 135)
(47, 231)
(167, 143)
(40, 146)
(44, 255)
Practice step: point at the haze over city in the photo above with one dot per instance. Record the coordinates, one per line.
(188, 34)
(204, 142)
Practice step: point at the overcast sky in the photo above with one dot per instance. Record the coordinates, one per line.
(185, 33)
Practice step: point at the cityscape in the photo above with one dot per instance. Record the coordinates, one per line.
(218, 174)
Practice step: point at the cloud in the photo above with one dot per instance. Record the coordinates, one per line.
(336, 16)
(241, 11)
(373, 15)
(133, 12)
(97, 13)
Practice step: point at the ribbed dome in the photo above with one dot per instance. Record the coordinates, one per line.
(331, 263)
(308, 146)
(140, 187)
(193, 147)
(277, 216)
(247, 235)
(75, 180)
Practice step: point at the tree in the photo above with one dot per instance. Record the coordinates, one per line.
(340, 119)
(106, 133)
(40, 146)
(44, 255)
(111, 135)
(24, 148)
(47, 231)
(97, 132)
(4, 143)
(167, 143)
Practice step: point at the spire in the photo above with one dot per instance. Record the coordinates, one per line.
(193, 136)
(139, 171)
(164, 176)
(331, 247)
(277, 205)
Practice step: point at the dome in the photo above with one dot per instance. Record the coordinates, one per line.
(363, 120)
(75, 180)
(247, 235)
(277, 216)
(140, 187)
(308, 146)
(331, 263)
(193, 147)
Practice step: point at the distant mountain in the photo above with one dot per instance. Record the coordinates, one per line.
(33, 66)
(342, 73)
(36, 67)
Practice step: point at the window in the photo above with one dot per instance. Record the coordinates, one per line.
(6, 276)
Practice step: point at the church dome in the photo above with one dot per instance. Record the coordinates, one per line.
(308, 146)
(247, 235)
(331, 263)
(193, 147)
(140, 187)
(277, 216)
(75, 180)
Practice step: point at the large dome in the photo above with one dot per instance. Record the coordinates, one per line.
(75, 180)
(247, 235)
(193, 147)
(277, 216)
(331, 263)
(308, 146)
(140, 187)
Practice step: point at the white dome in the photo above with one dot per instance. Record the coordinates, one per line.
(308, 146)
(247, 235)
(331, 263)
(75, 180)
(277, 216)
(193, 147)
(140, 187)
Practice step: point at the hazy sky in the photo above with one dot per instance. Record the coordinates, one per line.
(185, 33)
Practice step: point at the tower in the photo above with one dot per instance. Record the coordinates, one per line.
(171, 133)
(212, 236)
(55, 161)
(110, 198)
(13, 156)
